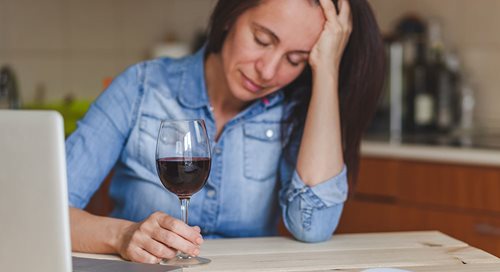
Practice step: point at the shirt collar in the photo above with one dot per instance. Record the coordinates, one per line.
(193, 91)
(273, 99)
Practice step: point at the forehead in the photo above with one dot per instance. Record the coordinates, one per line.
(297, 23)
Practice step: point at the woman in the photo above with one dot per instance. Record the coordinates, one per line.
(273, 76)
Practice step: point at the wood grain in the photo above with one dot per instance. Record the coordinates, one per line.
(414, 251)
(495, 267)
(340, 242)
(300, 261)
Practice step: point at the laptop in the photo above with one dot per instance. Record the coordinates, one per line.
(34, 221)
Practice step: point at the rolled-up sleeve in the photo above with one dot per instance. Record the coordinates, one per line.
(312, 214)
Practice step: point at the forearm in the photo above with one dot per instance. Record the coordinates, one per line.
(95, 234)
(320, 155)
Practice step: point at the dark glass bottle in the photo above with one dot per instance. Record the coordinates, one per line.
(411, 32)
(422, 99)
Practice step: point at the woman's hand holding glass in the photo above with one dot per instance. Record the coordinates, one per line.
(183, 164)
(158, 237)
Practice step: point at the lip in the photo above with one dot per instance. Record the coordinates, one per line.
(250, 85)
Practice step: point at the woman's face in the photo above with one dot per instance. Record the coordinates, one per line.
(268, 46)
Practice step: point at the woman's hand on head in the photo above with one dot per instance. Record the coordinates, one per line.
(328, 50)
(159, 236)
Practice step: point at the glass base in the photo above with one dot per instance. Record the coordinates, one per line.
(181, 261)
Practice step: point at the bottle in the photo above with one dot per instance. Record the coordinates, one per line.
(443, 74)
(423, 97)
(9, 94)
(410, 33)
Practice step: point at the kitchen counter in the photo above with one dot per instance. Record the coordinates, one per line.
(431, 153)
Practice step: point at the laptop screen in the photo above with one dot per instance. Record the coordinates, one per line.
(33, 194)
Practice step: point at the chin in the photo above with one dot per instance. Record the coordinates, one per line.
(242, 94)
(245, 95)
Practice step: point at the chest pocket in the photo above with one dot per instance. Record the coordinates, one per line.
(262, 150)
(148, 133)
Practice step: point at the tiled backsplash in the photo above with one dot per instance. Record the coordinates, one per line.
(70, 46)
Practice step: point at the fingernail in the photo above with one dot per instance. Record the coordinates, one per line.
(199, 240)
(196, 252)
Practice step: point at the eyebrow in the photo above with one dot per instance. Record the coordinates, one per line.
(274, 36)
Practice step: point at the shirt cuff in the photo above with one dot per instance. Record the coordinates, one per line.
(326, 194)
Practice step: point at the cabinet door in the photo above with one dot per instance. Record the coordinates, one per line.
(458, 186)
(378, 178)
(448, 185)
(481, 230)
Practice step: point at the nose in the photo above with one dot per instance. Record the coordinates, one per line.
(267, 65)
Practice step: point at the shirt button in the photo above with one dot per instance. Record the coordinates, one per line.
(269, 133)
(217, 150)
(210, 193)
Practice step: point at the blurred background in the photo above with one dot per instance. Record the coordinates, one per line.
(431, 156)
(63, 53)
(70, 50)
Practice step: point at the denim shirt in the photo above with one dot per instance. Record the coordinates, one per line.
(250, 184)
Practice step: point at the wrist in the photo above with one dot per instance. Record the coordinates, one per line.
(325, 72)
(118, 231)
(327, 64)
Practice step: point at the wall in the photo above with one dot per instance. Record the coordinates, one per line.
(70, 46)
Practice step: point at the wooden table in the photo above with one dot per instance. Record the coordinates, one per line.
(413, 251)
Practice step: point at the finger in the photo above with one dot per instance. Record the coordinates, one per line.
(175, 241)
(329, 9)
(197, 229)
(345, 13)
(159, 250)
(142, 256)
(181, 229)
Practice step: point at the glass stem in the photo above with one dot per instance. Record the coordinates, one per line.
(184, 209)
(184, 217)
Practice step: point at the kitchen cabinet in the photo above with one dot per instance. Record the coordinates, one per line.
(403, 194)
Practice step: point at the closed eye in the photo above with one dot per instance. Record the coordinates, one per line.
(293, 63)
(295, 60)
(260, 42)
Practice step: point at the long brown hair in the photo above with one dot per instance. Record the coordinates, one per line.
(362, 71)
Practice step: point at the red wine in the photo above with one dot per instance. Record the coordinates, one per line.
(183, 176)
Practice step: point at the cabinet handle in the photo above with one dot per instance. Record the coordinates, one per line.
(487, 229)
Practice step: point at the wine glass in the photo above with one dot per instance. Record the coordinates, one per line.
(183, 164)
